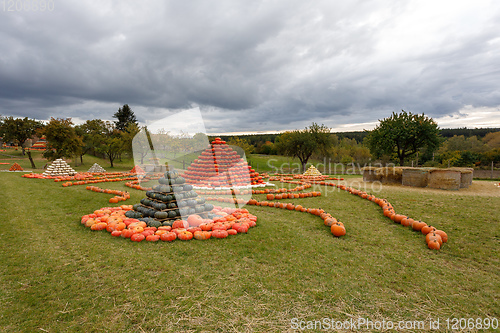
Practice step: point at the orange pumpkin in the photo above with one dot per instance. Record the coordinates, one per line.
(168, 237)
(153, 238)
(185, 235)
(202, 235)
(137, 237)
(431, 236)
(219, 234)
(337, 229)
(194, 220)
(330, 221)
(418, 225)
(180, 224)
(232, 232)
(443, 235)
(434, 244)
(127, 233)
(426, 229)
(116, 233)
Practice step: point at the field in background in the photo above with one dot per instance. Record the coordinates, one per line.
(262, 163)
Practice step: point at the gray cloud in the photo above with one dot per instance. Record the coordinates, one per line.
(250, 66)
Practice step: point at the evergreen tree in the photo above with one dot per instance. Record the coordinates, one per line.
(124, 117)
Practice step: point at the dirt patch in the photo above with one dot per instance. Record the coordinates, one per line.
(477, 188)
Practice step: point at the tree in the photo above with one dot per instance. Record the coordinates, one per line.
(90, 131)
(492, 139)
(62, 139)
(243, 144)
(461, 143)
(302, 144)
(111, 142)
(19, 131)
(125, 116)
(403, 134)
(267, 148)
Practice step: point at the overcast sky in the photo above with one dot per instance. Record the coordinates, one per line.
(254, 65)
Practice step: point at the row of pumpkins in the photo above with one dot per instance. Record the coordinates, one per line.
(435, 238)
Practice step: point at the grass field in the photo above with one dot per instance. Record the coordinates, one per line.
(58, 276)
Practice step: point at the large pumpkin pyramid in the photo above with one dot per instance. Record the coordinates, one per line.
(40, 144)
(221, 166)
(172, 199)
(59, 168)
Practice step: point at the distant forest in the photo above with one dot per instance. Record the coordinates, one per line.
(257, 140)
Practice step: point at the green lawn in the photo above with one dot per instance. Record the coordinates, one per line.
(57, 275)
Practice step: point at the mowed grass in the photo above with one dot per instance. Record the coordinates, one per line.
(57, 275)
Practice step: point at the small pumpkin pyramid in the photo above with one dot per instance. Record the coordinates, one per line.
(172, 199)
(59, 168)
(16, 167)
(221, 166)
(312, 172)
(138, 170)
(96, 168)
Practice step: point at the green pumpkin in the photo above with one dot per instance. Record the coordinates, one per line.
(167, 223)
(177, 189)
(161, 215)
(172, 214)
(153, 223)
(133, 214)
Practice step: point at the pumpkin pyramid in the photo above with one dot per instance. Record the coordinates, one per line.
(59, 168)
(96, 168)
(221, 166)
(172, 199)
(40, 144)
(312, 172)
(16, 167)
(137, 169)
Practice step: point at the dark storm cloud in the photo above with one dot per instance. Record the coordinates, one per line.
(250, 66)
